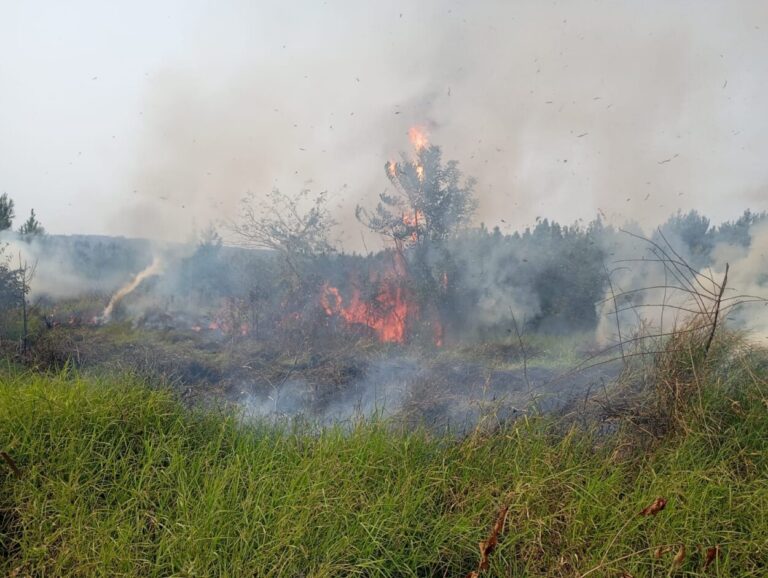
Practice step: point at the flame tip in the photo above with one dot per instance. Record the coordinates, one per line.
(418, 137)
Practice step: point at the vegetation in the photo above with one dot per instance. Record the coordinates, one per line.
(7, 212)
(31, 227)
(282, 223)
(109, 476)
(14, 285)
(430, 202)
(548, 277)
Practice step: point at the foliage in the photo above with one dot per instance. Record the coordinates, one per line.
(692, 233)
(430, 202)
(31, 227)
(204, 273)
(118, 479)
(10, 283)
(296, 226)
(6, 212)
(738, 232)
(549, 277)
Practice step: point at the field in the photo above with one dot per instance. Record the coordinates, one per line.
(336, 379)
(115, 476)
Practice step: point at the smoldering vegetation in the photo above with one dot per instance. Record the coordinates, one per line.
(449, 324)
(550, 279)
(482, 326)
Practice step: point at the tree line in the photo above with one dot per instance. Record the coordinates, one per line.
(466, 280)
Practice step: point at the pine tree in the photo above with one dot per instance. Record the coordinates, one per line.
(431, 201)
(32, 227)
(6, 212)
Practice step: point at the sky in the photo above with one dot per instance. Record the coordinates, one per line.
(155, 118)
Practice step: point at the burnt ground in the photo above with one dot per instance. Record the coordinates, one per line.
(340, 382)
(452, 395)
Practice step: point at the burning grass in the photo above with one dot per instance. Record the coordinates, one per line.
(116, 478)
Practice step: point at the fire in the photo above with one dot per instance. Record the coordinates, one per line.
(413, 221)
(386, 314)
(330, 293)
(418, 137)
(392, 168)
(420, 172)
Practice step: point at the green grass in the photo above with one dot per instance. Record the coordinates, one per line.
(119, 479)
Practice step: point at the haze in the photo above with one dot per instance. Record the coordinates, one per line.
(153, 119)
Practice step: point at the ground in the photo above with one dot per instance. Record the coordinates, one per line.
(450, 387)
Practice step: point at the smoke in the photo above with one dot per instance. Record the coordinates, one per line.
(650, 293)
(417, 391)
(216, 299)
(635, 288)
(505, 295)
(70, 267)
(154, 268)
(381, 391)
(748, 275)
(556, 109)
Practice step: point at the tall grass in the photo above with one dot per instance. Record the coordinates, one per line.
(119, 479)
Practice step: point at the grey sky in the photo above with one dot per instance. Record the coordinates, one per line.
(152, 118)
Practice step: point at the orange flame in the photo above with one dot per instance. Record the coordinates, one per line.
(413, 221)
(418, 137)
(386, 315)
(392, 168)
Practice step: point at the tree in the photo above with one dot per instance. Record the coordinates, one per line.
(6, 212)
(32, 227)
(209, 240)
(24, 276)
(296, 227)
(14, 287)
(430, 202)
(738, 232)
(10, 286)
(204, 273)
(693, 232)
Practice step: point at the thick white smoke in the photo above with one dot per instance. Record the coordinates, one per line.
(748, 275)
